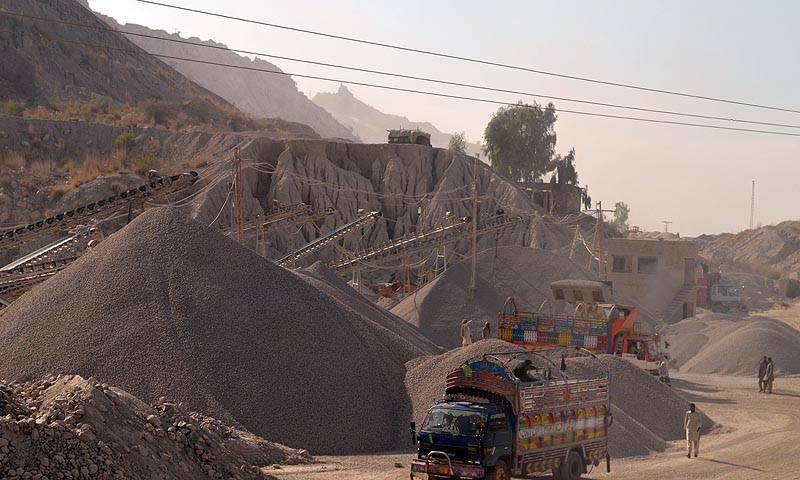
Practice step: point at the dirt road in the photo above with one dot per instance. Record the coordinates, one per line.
(760, 439)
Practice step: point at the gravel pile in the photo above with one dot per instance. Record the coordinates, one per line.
(169, 307)
(405, 340)
(68, 427)
(438, 308)
(647, 413)
(713, 343)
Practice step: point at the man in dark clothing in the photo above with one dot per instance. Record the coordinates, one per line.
(522, 371)
(762, 372)
(487, 331)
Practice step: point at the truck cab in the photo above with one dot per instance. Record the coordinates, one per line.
(472, 435)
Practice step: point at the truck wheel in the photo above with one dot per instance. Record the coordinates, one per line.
(498, 472)
(572, 469)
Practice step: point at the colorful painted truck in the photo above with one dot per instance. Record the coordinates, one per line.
(492, 425)
(593, 324)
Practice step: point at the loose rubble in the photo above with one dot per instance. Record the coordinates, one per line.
(68, 427)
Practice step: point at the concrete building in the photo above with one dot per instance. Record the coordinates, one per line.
(659, 274)
(555, 197)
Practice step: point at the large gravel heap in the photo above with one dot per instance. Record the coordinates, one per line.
(714, 343)
(68, 427)
(647, 413)
(169, 307)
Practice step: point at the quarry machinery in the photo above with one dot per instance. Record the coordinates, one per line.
(401, 247)
(98, 210)
(716, 294)
(591, 322)
(413, 136)
(314, 246)
(75, 230)
(492, 424)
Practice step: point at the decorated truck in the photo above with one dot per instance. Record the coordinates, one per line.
(492, 425)
(592, 322)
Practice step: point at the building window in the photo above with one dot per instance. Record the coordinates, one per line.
(578, 295)
(559, 294)
(597, 296)
(648, 265)
(621, 264)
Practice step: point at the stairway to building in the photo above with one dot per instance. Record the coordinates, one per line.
(684, 295)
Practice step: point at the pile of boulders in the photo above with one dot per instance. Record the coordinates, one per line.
(66, 427)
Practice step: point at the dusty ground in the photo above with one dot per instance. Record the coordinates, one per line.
(760, 439)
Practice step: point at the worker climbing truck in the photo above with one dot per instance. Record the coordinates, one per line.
(492, 425)
(590, 322)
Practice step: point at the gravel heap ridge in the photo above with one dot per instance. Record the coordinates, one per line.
(169, 307)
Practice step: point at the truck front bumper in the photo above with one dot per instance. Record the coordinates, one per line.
(429, 470)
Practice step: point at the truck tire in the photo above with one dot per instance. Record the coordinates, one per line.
(498, 472)
(573, 467)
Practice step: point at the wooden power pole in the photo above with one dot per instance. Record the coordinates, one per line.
(237, 197)
(472, 278)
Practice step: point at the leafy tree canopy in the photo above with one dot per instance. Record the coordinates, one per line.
(521, 140)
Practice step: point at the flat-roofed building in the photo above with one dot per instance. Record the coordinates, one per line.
(658, 274)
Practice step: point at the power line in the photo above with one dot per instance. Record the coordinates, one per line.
(401, 75)
(475, 60)
(429, 93)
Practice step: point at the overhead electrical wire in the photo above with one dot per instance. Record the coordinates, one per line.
(404, 76)
(474, 60)
(434, 94)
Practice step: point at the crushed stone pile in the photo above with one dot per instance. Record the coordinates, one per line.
(647, 413)
(405, 340)
(169, 307)
(69, 427)
(715, 343)
(438, 308)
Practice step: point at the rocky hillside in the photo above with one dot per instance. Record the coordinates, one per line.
(259, 94)
(62, 69)
(772, 249)
(370, 124)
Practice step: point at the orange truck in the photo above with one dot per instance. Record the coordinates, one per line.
(592, 322)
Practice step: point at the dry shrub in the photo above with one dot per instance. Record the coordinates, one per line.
(199, 160)
(41, 113)
(90, 169)
(42, 170)
(117, 161)
(14, 160)
(58, 191)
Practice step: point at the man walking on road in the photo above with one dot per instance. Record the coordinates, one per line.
(769, 376)
(762, 371)
(692, 423)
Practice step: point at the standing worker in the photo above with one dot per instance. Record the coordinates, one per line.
(692, 423)
(487, 331)
(466, 335)
(769, 376)
(762, 372)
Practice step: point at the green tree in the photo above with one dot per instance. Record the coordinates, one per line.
(458, 144)
(521, 140)
(621, 212)
(565, 168)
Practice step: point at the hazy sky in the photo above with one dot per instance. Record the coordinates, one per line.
(698, 178)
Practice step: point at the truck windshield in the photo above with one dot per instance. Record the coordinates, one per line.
(453, 421)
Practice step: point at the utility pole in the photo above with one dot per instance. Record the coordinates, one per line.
(597, 241)
(752, 203)
(237, 197)
(666, 223)
(472, 284)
